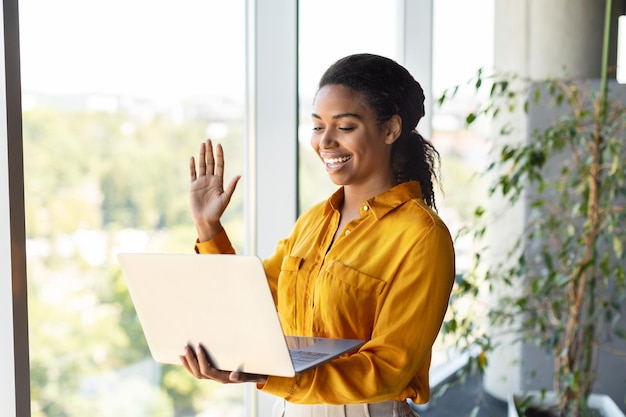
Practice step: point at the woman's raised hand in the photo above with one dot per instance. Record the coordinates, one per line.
(207, 196)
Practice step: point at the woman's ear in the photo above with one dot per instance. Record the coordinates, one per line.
(393, 129)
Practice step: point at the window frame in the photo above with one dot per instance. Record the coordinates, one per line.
(14, 352)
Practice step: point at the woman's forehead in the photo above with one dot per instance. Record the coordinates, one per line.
(340, 98)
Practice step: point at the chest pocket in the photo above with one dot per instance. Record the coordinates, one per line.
(345, 302)
(288, 292)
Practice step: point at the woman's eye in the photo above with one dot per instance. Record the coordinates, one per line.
(316, 128)
(346, 129)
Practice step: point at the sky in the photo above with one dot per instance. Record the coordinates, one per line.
(158, 48)
(141, 47)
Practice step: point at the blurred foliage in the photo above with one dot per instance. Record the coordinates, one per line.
(110, 172)
(95, 183)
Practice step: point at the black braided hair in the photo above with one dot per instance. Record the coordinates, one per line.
(389, 89)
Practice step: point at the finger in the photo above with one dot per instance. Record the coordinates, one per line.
(238, 376)
(203, 362)
(230, 189)
(191, 364)
(183, 361)
(202, 159)
(219, 167)
(207, 370)
(210, 162)
(192, 169)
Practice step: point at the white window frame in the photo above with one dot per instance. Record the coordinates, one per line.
(271, 178)
(271, 122)
(415, 33)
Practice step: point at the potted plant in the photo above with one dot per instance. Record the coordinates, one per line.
(562, 285)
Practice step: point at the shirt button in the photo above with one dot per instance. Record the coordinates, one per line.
(365, 208)
(347, 232)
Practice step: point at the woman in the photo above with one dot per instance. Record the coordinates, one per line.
(373, 262)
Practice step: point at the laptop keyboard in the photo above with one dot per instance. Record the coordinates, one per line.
(302, 357)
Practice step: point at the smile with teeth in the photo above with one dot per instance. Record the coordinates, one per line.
(330, 162)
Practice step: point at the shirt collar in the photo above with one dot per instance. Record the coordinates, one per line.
(384, 202)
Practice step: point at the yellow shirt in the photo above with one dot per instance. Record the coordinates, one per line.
(386, 279)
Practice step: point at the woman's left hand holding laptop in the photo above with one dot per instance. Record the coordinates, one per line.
(197, 363)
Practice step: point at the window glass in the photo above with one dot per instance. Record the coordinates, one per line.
(117, 95)
(462, 43)
(329, 30)
(464, 152)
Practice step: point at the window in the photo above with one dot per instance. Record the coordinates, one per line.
(117, 95)
(108, 87)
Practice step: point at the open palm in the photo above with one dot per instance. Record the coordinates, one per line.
(207, 196)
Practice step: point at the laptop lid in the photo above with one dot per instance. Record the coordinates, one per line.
(222, 302)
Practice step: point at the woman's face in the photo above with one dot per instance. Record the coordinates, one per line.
(355, 151)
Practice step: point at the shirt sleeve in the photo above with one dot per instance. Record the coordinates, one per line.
(394, 364)
(219, 244)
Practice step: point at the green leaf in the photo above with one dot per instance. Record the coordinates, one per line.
(450, 326)
(618, 246)
(470, 118)
(615, 165)
(559, 99)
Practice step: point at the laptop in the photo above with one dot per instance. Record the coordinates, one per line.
(224, 303)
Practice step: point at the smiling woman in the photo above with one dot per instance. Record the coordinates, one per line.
(389, 106)
(347, 138)
(358, 265)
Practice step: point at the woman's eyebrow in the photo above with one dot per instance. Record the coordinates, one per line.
(339, 116)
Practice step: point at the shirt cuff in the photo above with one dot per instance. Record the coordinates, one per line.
(219, 244)
(278, 386)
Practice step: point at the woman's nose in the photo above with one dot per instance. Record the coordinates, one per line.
(327, 140)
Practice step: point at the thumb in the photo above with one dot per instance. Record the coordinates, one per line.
(230, 189)
(234, 376)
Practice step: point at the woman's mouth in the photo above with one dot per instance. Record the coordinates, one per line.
(336, 163)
